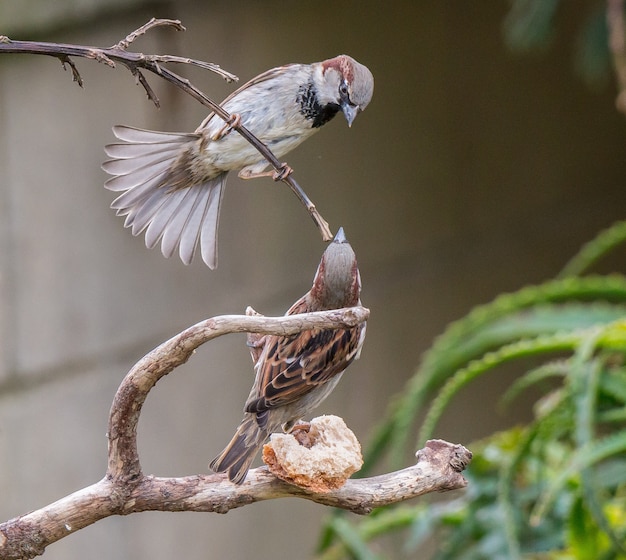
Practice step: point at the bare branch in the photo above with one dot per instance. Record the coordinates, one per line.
(75, 74)
(28, 536)
(149, 91)
(433, 472)
(129, 399)
(152, 63)
(154, 22)
(125, 489)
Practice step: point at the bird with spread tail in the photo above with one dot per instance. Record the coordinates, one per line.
(294, 374)
(172, 184)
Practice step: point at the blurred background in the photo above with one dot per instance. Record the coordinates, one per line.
(474, 171)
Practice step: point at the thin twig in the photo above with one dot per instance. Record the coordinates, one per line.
(66, 60)
(154, 22)
(153, 63)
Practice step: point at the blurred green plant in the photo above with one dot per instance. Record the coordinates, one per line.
(530, 26)
(554, 488)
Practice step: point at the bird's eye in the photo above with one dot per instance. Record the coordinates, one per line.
(343, 88)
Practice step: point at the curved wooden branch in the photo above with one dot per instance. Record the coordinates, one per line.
(28, 536)
(129, 399)
(125, 489)
(135, 62)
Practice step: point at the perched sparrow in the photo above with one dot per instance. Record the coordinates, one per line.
(173, 183)
(294, 374)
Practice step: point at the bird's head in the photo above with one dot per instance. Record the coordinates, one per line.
(337, 282)
(345, 83)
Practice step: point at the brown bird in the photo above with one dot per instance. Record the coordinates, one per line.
(173, 183)
(294, 374)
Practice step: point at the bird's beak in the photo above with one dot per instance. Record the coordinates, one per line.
(340, 237)
(350, 112)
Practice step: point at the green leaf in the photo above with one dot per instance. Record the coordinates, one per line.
(521, 349)
(606, 241)
(529, 24)
(582, 535)
(464, 341)
(593, 57)
(556, 368)
(352, 540)
(613, 384)
(580, 459)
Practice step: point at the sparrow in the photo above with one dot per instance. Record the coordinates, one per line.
(172, 184)
(294, 374)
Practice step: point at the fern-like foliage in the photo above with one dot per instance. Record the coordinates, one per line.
(554, 488)
(554, 307)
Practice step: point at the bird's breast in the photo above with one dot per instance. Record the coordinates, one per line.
(233, 151)
(272, 112)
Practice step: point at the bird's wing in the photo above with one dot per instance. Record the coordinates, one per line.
(264, 76)
(291, 366)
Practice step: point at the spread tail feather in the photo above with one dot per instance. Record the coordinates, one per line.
(241, 451)
(181, 218)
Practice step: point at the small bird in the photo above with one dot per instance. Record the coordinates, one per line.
(173, 183)
(294, 374)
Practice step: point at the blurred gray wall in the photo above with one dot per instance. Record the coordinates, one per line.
(472, 172)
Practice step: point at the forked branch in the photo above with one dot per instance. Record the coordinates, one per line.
(135, 62)
(125, 489)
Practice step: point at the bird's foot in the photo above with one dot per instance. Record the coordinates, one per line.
(229, 125)
(248, 174)
(301, 432)
(255, 341)
(282, 173)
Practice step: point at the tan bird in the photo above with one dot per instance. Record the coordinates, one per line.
(294, 374)
(173, 183)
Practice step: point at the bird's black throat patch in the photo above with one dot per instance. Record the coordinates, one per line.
(311, 108)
